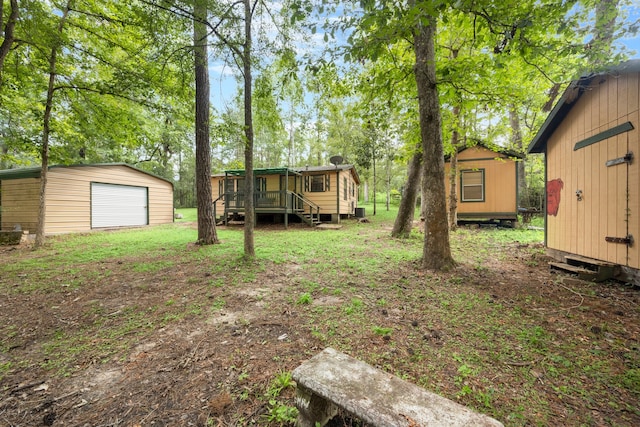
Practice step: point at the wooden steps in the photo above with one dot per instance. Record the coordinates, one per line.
(309, 219)
(585, 268)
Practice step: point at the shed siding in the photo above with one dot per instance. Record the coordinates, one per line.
(580, 227)
(500, 184)
(19, 203)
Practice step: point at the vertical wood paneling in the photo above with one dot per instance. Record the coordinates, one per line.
(589, 192)
(603, 116)
(634, 186)
(573, 168)
(612, 100)
(581, 227)
(605, 198)
(553, 168)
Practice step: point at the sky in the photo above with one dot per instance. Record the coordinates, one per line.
(224, 85)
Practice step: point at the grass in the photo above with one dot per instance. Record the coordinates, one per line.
(446, 332)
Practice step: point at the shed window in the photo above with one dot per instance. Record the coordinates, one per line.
(472, 185)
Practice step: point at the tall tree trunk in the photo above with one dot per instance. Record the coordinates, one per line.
(436, 253)
(453, 170)
(604, 32)
(5, 47)
(406, 211)
(207, 234)
(46, 129)
(388, 177)
(249, 214)
(453, 187)
(375, 198)
(516, 140)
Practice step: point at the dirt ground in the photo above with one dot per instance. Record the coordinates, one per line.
(215, 369)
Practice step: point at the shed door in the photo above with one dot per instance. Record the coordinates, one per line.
(118, 205)
(600, 199)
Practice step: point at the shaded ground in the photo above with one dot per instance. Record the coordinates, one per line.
(179, 346)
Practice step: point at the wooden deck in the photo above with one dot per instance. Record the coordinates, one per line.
(271, 202)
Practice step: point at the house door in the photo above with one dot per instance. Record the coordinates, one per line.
(118, 205)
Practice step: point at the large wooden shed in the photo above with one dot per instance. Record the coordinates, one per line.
(486, 183)
(590, 140)
(84, 197)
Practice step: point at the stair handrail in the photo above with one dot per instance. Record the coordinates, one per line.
(306, 201)
(220, 197)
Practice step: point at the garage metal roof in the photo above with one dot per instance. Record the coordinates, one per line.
(34, 171)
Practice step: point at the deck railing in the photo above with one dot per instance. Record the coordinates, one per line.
(269, 200)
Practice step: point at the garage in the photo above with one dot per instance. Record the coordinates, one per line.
(118, 205)
(82, 198)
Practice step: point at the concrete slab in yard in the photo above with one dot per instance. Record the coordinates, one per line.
(329, 226)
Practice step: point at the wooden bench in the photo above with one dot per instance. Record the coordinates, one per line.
(332, 380)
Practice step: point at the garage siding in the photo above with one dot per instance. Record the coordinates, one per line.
(69, 195)
(19, 203)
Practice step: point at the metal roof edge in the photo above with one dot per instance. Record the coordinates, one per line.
(35, 171)
(569, 98)
(495, 148)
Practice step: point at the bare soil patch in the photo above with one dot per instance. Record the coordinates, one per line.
(214, 366)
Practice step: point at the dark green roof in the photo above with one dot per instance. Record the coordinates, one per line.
(263, 171)
(291, 171)
(34, 171)
(20, 173)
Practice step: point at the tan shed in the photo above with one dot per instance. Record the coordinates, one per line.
(314, 194)
(486, 183)
(85, 197)
(590, 140)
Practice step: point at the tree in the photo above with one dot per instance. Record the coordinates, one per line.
(9, 27)
(46, 125)
(436, 252)
(249, 213)
(105, 93)
(207, 234)
(234, 31)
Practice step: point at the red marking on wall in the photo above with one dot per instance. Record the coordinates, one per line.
(553, 196)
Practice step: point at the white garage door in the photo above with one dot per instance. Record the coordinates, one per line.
(118, 205)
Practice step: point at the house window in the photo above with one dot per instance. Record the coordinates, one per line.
(316, 183)
(240, 185)
(344, 181)
(472, 185)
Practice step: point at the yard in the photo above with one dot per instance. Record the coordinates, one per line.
(142, 327)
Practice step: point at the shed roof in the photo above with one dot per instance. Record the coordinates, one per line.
(492, 147)
(573, 92)
(34, 172)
